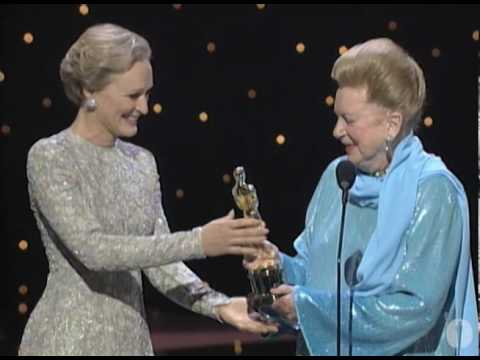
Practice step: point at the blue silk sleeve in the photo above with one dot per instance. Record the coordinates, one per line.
(413, 314)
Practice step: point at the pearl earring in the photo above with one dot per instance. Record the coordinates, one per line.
(90, 104)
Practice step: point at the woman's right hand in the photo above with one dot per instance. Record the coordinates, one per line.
(230, 236)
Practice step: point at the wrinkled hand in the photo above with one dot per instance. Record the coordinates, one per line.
(284, 304)
(229, 236)
(235, 313)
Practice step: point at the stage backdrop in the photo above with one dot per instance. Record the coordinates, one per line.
(234, 85)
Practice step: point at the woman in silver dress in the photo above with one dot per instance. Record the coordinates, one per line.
(97, 203)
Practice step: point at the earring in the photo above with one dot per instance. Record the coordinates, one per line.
(388, 148)
(90, 104)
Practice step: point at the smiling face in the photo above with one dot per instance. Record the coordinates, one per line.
(123, 101)
(363, 128)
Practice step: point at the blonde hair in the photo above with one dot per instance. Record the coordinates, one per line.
(100, 52)
(391, 77)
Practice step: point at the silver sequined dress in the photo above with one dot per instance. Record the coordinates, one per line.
(101, 222)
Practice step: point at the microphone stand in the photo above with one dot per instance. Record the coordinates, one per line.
(351, 268)
(350, 322)
(345, 173)
(339, 258)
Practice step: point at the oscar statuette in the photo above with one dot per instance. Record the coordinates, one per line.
(264, 271)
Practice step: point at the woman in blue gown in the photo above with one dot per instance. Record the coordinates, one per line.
(406, 213)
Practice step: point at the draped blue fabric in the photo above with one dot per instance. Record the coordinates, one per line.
(416, 281)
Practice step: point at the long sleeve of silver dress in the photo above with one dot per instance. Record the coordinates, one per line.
(101, 222)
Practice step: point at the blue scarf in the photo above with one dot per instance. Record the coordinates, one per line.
(394, 195)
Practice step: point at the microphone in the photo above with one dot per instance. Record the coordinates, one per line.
(351, 267)
(346, 174)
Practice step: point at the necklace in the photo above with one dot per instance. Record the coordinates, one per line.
(379, 173)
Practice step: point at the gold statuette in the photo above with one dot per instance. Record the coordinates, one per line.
(264, 271)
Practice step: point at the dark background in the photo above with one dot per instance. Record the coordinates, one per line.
(255, 49)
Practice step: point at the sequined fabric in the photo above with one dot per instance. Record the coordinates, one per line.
(415, 315)
(101, 221)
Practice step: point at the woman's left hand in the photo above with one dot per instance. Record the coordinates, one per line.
(235, 313)
(285, 305)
